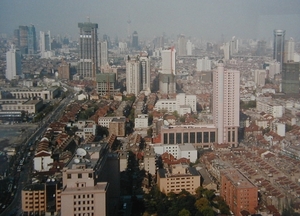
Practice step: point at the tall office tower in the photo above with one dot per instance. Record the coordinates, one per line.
(145, 71)
(31, 40)
(189, 48)
(181, 45)
(289, 50)
(261, 48)
(278, 46)
(102, 54)
(203, 64)
(87, 64)
(45, 43)
(260, 77)
(133, 84)
(23, 30)
(13, 63)
(234, 46)
(290, 77)
(226, 50)
(135, 40)
(167, 79)
(226, 104)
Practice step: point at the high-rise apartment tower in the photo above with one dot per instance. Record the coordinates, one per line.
(226, 104)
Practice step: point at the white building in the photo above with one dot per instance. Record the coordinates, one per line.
(226, 50)
(181, 45)
(271, 107)
(177, 150)
(289, 50)
(138, 74)
(42, 161)
(182, 104)
(102, 54)
(234, 46)
(203, 64)
(13, 63)
(122, 47)
(189, 48)
(260, 77)
(45, 44)
(104, 121)
(279, 128)
(226, 104)
(274, 68)
(133, 84)
(141, 121)
(168, 61)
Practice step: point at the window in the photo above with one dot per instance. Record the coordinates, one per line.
(171, 138)
(178, 138)
(185, 137)
(79, 175)
(192, 137)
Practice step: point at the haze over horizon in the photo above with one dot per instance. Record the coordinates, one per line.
(193, 18)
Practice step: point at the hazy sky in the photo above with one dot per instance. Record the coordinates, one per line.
(207, 19)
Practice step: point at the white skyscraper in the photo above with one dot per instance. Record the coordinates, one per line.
(45, 44)
(274, 68)
(13, 63)
(181, 45)
(138, 74)
(260, 77)
(145, 71)
(102, 54)
(203, 64)
(289, 50)
(168, 61)
(234, 46)
(226, 50)
(167, 80)
(189, 48)
(226, 104)
(133, 84)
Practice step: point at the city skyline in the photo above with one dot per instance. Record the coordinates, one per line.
(201, 19)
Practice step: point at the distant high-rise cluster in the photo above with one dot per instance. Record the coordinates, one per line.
(87, 64)
(226, 104)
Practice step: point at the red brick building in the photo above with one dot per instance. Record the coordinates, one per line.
(238, 192)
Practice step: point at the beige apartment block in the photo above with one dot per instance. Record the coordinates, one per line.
(178, 177)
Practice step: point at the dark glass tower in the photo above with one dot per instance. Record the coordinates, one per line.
(87, 50)
(135, 40)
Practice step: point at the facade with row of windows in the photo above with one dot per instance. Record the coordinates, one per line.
(178, 177)
(198, 135)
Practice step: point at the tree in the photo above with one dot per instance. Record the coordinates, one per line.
(184, 212)
(201, 204)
